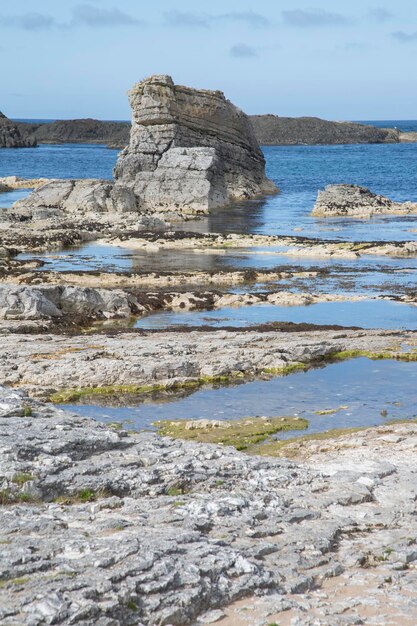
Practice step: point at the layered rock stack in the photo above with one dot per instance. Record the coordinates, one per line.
(12, 137)
(190, 151)
(189, 148)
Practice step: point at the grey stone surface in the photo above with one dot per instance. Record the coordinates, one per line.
(45, 363)
(191, 138)
(46, 302)
(355, 201)
(175, 531)
(79, 196)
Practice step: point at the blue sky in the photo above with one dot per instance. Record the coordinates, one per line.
(333, 59)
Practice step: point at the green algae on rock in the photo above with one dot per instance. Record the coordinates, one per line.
(237, 433)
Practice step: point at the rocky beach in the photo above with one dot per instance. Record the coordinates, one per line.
(127, 298)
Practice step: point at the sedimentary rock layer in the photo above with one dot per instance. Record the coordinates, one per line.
(189, 148)
(190, 151)
(47, 364)
(355, 201)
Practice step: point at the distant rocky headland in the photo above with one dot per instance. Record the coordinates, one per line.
(14, 135)
(269, 130)
(274, 130)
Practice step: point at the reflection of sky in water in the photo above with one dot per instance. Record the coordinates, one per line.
(365, 387)
(377, 274)
(8, 198)
(367, 314)
(299, 171)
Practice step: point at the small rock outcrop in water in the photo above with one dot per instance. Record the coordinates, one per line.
(12, 137)
(189, 148)
(355, 201)
(274, 130)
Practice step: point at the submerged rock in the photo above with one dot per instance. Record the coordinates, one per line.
(355, 201)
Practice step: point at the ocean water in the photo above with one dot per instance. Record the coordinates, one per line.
(70, 160)
(299, 171)
(406, 126)
(359, 386)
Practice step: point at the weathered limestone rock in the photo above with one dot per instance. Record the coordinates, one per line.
(103, 527)
(7, 183)
(12, 137)
(58, 362)
(77, 303)
(355, 201)
(80, 196)
(189, 149)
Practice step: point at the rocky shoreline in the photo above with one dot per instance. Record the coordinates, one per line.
(101, 527)
(105, 526)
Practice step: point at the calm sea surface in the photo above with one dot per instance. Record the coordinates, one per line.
(299, 171)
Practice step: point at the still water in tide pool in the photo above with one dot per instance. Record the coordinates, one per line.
(362, 392)
(363, 313)
(379, 275)
(299, 171)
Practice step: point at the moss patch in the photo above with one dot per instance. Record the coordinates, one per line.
(331, 411)
(21, 478)
(7, 496)
(238, 433)
(345, 355)
(66, 396)
(85, 495)
(290, 447)
(15, 582)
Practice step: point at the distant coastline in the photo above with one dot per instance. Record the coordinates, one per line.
(269, 130)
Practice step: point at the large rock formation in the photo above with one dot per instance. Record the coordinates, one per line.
(11, 136)
(355, 201)
(189, 149)
(274, 130)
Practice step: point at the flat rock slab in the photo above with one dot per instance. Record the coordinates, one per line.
(46, 363)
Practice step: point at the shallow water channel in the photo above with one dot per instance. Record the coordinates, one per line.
(361, 392)
(362, 313)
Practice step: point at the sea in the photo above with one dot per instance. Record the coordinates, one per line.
(299, 172)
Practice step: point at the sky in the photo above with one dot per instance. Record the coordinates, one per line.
(329, 58)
